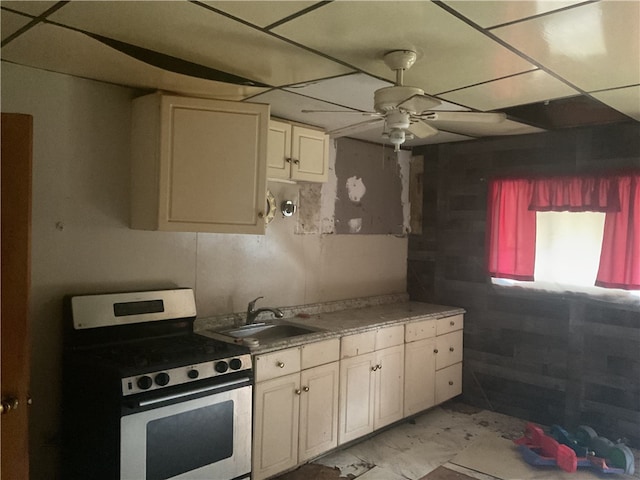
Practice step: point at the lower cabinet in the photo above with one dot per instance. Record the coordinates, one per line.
(433, 362)
(371, 384)
(296, 414)
(310, 399)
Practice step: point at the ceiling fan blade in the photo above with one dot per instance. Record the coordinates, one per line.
(473, 117)
(422, 130)
(419, 103)
(174, 64)
(351, 129)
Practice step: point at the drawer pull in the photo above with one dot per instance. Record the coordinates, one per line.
(435, 350)
(450, 382)
(280, 364)
(305, 389)
(452, 323)
(451, 349)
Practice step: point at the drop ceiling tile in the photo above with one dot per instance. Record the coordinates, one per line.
(594, 46)
(261, 13)
(62, 50)
(194, 33)
(488, 14)
(354, 91)
(34, 8)
(289, 106)
(451, 53)
(625, 100)
(11, 23)
(522, 89)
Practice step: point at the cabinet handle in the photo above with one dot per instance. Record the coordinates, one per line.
(288, 160)
(451, 349)
(374, 368)
(380, 366)
(450, 382)
(260, 214)
(452, 323)
(280, 364)
(296, 162)
(435, 350)
(298, 391)
(306, 389)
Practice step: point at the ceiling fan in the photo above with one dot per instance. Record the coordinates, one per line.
(403, 108)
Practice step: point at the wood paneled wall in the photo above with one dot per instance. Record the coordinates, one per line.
(544, 357)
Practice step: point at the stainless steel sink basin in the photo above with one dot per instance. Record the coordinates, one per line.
(268, 331)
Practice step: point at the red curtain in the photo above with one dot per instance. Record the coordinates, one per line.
(511, 229)
(575, 194)
(620, 255)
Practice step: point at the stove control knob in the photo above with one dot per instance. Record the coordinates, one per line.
(193, 373)
(221, 367)
(145, 382)
(162, 379)
(235, 364)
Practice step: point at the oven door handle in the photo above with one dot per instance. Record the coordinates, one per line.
(209, 388)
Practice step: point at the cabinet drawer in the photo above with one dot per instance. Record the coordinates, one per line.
(319, 353)
(389, 336)
(277, 364)
(448, 382)
(354, 345)
(449, 349)
(449, 324)
(420, 330)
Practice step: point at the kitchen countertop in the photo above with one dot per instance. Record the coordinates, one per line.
(349, 321)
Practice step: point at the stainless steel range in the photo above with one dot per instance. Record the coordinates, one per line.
(146, 398)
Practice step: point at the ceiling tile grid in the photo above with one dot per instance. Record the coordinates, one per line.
(512, 56)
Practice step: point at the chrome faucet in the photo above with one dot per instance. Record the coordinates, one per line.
(253, 314)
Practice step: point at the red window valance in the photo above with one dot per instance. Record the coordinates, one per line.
(575, 194)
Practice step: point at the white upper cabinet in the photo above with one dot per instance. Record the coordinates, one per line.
(198, 165)
(297, 153)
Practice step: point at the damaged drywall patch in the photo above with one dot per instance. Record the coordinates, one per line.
(369, 196)
(355, 188)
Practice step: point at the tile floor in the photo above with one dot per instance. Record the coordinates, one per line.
(464, 439)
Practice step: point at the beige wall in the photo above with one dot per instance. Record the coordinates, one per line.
(82, 242)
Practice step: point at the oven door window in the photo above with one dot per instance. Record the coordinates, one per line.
(186, 441)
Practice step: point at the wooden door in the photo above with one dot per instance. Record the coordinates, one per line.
(356, 397)
(275, 433)
(15, 280)
(389, 390)
(318, 410)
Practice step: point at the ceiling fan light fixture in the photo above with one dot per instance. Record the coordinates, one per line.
(397, 138)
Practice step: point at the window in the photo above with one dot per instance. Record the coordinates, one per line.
(579, 233)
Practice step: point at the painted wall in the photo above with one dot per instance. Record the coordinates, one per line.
(82, 242)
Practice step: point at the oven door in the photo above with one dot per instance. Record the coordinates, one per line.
(201, 433)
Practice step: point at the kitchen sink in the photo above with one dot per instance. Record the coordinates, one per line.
(268, 331)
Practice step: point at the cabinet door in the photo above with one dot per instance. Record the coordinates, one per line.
(389, 388)
(310, 155)
(275, 435)
(199, 165)
(318, 410)
(419, 376)
(356, 397)
(279, 150)
(448, 382)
